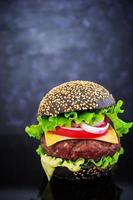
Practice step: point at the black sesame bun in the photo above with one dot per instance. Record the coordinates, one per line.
(84, 174)
(75, 96)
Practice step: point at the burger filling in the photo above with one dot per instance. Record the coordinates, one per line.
(76, 139)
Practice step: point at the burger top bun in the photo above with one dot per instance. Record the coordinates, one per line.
(75, 96)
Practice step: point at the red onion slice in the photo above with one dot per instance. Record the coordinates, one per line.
(94, 130)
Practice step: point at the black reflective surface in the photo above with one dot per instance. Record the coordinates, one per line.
(101, 189)
(45, 43)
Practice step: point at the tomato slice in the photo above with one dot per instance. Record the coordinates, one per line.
(76, 133)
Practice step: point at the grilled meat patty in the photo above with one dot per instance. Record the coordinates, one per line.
(74, 149)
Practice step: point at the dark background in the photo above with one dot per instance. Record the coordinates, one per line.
(43, 44)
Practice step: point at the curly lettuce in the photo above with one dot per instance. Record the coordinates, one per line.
(90, 117)
(105, 161)
(121, 127)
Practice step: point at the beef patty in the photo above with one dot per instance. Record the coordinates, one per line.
(73, 149)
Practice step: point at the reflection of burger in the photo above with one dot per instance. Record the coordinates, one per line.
(79, 129)
(99, 189)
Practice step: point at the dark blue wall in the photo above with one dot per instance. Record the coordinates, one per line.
(45, 43)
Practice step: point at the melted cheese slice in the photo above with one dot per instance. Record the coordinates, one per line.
(110, 137)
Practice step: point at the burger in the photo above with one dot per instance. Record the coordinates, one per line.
(79, 131)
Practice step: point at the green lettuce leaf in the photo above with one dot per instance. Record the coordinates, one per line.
(90, 117)
(39, 150)
(34, 131)
(105, 161)
(119, 125)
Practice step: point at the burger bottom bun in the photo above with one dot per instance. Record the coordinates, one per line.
(84, 174)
